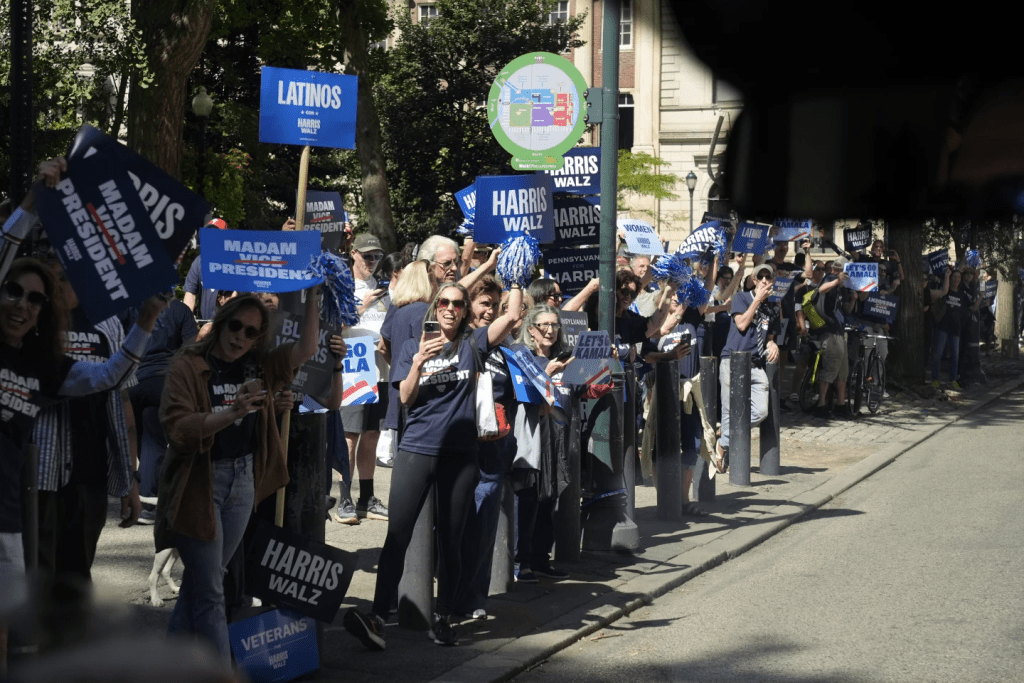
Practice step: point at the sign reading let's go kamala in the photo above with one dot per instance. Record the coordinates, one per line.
(308, 108)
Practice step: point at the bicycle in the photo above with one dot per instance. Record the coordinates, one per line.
(867, 371)
(809, 383)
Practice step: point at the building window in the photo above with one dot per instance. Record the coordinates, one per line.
(625, 121)
(626, 24)
(560, 13)
(427, 14)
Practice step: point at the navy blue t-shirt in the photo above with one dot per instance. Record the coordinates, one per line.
(207, 298)
(442, 421)
(235, 440)
(401, 324)
(173, 329)
(767, 321)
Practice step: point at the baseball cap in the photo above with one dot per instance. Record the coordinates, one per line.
(840, 262)
(762, 267)
(365, 241)
(218, 223)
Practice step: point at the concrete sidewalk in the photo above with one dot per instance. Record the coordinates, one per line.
(819, 461)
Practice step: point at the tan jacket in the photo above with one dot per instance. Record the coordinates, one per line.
(186, 477)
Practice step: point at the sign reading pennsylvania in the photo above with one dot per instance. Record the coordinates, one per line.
(175, 211)
(577, 220)
(325, 213)
(104, 237)
(510, 205)
(572, 268)
(581, 173)
(936, 262)
(258, 260)
(308, 108)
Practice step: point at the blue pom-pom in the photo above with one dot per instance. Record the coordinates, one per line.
(466, 227)
(338, 305)
(693, 293)
(519, 256)
(973, 258)
(672, 268)
(720, 244)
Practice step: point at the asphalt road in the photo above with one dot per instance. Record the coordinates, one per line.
(915, 574)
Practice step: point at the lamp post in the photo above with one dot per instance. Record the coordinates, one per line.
(691, 185)
(202, 105)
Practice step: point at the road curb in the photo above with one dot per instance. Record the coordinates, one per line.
(523, 653)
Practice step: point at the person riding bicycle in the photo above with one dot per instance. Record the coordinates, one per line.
(828, 299)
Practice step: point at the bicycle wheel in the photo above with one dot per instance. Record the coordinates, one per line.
(855, 387)
(874, 383)
(808, 391)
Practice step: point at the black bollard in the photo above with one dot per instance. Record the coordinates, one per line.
(304, 507)
(629, 439)
(769, 430)
(739, 418)
(970, 366)
(669, 464)
(703, 484)
(567, 512)
(416, 589)
(504, 553)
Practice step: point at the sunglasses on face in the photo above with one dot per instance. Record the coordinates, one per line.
(372, 257)
(628, 293)
(766, 276)
(14, 292)
(457, 304)
(234, 325)
(546, 327)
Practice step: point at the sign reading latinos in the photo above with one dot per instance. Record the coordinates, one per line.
(308, 108)
(751, 238)
(324, 212)
(359, 376)
(577, 220)
(641, 238)
(863, 276)
(791, 230)
(315, 376)
(258, 260)
(572, 268)
(535, 110)
(581, 173)
(857, 238)
(104, 237)
(511, 205)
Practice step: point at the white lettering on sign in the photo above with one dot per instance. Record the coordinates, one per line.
(304, 94)
(526, 200)
(277, 633)
(577, 165)
(164, 213)
(302, 566)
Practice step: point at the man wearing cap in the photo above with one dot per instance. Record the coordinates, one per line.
(755, 323)
(835, 367)
(362, 422)
(194, 283)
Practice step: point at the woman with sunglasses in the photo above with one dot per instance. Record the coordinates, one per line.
(435, 377)
(225, 453)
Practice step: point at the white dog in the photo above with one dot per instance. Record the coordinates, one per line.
(162, 563)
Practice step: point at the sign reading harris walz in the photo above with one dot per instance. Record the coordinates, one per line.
(308, 108)
(581, 173)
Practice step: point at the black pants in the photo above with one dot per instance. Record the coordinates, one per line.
(151, 442)
(70, 522)
(454, 479)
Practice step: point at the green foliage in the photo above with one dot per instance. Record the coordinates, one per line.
(998, 241)
(638, 175)
(225, 185)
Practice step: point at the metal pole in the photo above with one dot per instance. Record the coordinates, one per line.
(703, 484)
(739, 418)
(22, 116)
(502, 559)
(629, 440)
(670, 456)
(567, 514)
(691, 212)
(769, 429)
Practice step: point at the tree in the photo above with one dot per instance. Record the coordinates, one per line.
(638, 175)
(908, 357)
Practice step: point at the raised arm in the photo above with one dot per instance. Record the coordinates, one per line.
(486, 267)
(577, 302)
(310, 335)
(500, 328)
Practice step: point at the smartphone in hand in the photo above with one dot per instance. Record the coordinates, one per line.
(431, 330)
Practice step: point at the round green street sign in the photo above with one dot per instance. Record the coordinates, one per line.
(536, 110)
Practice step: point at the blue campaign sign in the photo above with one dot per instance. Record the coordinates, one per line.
(466, 198)
(751, 238)
(510, 205)
(791, 229)
(577, 221)
(103, 236)
(531, 383)
(175, 211)
(641, 238)
(881, 307)
(258, 260)
(359, 376)
(857, 238)
(275, 646)
(781, 286)
(581, 173)
(572, 267)
(324, 212)
(308, 108)
(937, 262)
(991, 287)
(863, 277)
(700, 239)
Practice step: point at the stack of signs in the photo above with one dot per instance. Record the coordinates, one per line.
(641, 238)
(881, 307)
(360, 372)
(531, 383)
(275, 646)
(324, 212)
(316, 375)
(308, 108)
(791, 230)
(781, 286)
(863, 277)
(752, 238)
(936, 262)
(513, 205)
(572, 268)
(259, 260)
(857, 238)
(581, 172)
(592, 365)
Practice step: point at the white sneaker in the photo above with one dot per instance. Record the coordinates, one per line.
(794, 398)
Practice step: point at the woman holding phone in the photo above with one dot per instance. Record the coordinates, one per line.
(225, 453)
(435, 378)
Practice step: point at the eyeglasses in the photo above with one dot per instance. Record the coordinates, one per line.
(14, 292)
(234, 325)
(457, 304)
(372, 256)
(504, 308)
(628, 293)
(449, 265)
(545, 327)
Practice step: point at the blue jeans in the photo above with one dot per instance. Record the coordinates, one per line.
(942, 339)
(200, 607)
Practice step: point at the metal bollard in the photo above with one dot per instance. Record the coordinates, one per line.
(970, 366)
(771, 440)
(567, 513)
(703, 484)
(504, 553)
(305, 510)
(629, 439)
(739, 418)
(669, 474)
(416, 589)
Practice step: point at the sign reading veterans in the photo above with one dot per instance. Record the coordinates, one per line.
(577, 220)
(857, 238)
(863, 276)
(531, 383)
(258, 260)
(751, 238)
(510, 205)
(581, 173)
(294, 572)
(791, 230)
(308, 108)
(937, 262)
(315, 376)
(881, 307)
(641, 238)
(275, 646)
(104, 237)
(535, 110)
(324, 212)
(781, 286)
(360, 373)
(175, 211)
(572, 268)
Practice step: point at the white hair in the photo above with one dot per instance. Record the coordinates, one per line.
(431, 245)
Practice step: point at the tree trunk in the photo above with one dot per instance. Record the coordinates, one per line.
(175, 33)
(908, 354)
(1006, 315)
